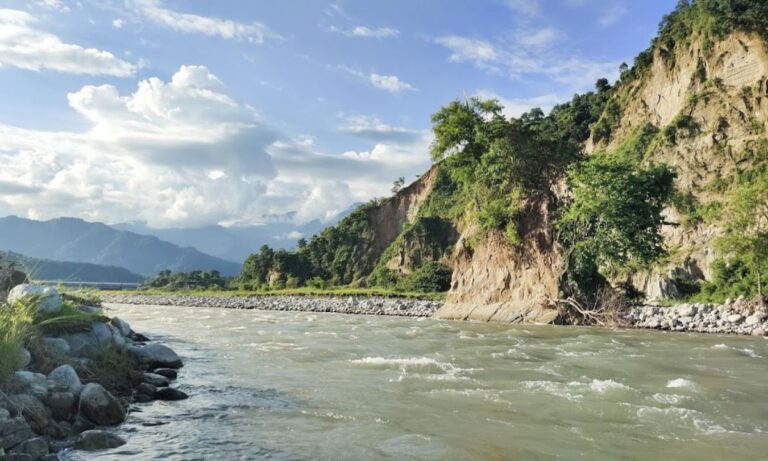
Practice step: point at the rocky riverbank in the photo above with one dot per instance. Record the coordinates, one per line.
(733, 317)
(350, 305)
(741, 317)
(79, 374)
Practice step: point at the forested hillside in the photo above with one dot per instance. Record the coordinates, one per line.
(653, 186)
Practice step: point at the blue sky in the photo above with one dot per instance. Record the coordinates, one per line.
(186, 113)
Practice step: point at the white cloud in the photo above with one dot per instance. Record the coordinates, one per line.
(367, 32)
(118, 23)
(515, 107)
(541, 38)
(23, 46)
(182, 152)
(529, 55)
(254, 32)
(612, 15)
(373, 129)
(527, 7)
(465, 49)
(57, 5)
(390, 83)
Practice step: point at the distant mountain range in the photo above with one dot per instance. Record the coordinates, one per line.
(67, 271)
(236, 243)
(75, 240)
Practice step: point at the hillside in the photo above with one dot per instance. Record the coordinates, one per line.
(43, 269)
(75, 240)
(653, 187)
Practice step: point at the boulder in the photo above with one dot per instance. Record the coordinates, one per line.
(100, 407)
(35, 447)
(98, 440)
(32, 409)
(734, 318)
(27, 379)
(155, 380)
(169, 393)
(57, 345)
(13, 432)
(25, 358)
(61, 404)
(155, 355)
(752, 320)
(121, 325)
(146, 389)
(169, 373)
(48, 298)
(66, 377)
(98, 336)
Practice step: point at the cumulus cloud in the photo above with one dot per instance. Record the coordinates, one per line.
(367, 32)
(118, 23)
(25, 47)
(153, 10)
(183, 152)
(390, 83)
(57, 5)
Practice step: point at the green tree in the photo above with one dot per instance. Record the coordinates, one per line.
(614, 217)
(746, 236)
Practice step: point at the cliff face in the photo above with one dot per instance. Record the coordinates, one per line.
(712, 107)
(493, 282)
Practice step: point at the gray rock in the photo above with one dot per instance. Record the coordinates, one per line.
(169, 393)
(146, 389)
(734, 318)
(169, 373)
(32, 409)
(13, 432)
(4, 414)
(25, 358)
(66, 377)
(98, 336)
(61, 404)
(57, 345)
(155, 355)
(35, 447)
(155, 380)
(121, 325)
(99, 406)
(48, 298)
(27, 379)
(752, 320)
(98, 440)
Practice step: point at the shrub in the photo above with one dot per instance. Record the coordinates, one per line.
(430, 277)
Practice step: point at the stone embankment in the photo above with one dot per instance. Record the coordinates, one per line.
(342, 305)
(59, 398)
(739, 316)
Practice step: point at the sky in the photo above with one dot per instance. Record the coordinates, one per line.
(197, 112)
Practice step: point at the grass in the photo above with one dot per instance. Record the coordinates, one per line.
(303, 291)
(21, 326)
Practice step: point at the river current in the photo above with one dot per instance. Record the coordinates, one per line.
(304, 386)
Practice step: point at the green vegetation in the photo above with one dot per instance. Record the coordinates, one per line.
(614, 218)
(200, 280)
(301, 291)
(743, 249)
(21, 326)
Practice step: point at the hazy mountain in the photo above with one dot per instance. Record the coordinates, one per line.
(75, 240)
(237, 242)
(67, 271)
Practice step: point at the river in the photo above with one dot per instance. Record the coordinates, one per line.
(304, 386)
